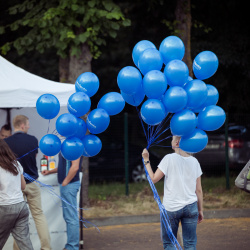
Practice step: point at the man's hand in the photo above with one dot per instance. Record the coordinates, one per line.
(200, 217)
(45, 172)
(145, 154)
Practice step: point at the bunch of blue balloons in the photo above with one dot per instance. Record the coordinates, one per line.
(71, 127)
(164, 79)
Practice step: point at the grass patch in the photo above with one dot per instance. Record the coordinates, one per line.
(109, 199)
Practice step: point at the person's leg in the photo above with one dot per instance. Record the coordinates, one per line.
(174, 218)
(70, 215)
(20, 232)
(7, 222)
(189, 225)
(33, 194)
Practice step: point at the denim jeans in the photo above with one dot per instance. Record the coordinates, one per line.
(70, 215)
(189, 218)
(15, 219)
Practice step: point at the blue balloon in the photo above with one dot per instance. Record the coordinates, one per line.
(150, 59)
(197, 93)
(129, 80)
(72, 148)
(98, 121)
(66, 124)
(88, 83)
(81, 129)
(139, 48)
(154, 84)
(194, 142)
(135, 99)
(153, 111)
(183, 122)
(47, 106)
(188, 80)
(50, 145)
(92, 145)
(112, 102)
(172, 48)
(212, 98)
(175, 99)
(211, 118)
(205, 65)
(177, 73)
(79, 104)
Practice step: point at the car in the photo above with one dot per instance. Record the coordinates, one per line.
(213, 157)
(109, 164)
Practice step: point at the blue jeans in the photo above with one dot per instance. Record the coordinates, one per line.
(70, 215)
(189, 218)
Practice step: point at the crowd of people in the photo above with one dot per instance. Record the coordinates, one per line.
(16, 192)
(183, 198)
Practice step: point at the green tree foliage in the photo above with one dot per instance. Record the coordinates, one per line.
(63, 25)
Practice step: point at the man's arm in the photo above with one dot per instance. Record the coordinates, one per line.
(46, 172)
(199, 194)
(155, 177)
(72, 172)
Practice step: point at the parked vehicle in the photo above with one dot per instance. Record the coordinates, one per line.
(214, 155)
(109, 164)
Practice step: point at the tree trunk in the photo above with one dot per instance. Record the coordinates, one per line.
(69, 69)
(184, 22)
(80, 63)
(64, 69)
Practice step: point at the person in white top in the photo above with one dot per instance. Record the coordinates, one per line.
(14, 213)
(183, 196)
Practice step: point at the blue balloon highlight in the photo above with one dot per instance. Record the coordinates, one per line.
(153, 111)
(211, 118)
(79, 104)
(50, 145)
(183, 122)
(112, 102)
(98, 121)
(72, 148)
(92, 145)
(205, 65)
(194, 142)
(139, 48)
(88, 83)
(150, 59)
(154, 84)
(129, 80)
(172, 48)
(66, 124)
(47, 106)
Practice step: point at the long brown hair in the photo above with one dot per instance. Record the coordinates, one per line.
(8, 160)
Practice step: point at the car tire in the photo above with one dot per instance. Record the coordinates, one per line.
(138, 174)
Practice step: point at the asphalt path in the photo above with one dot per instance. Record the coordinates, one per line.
(215, 234)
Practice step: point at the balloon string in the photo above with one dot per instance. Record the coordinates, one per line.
(27, 153)
(50, 189)
(152, 136)
(48, 127)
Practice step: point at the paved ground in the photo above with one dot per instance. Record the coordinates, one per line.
(213, 234)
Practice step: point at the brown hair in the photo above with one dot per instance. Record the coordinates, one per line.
(19, 120)
(8, 160)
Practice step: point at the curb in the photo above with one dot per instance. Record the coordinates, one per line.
(155, 218)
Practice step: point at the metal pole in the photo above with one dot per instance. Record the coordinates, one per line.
(126, 152)
(226, 151)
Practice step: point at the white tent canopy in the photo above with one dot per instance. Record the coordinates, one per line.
(19, 91)
(20, 88)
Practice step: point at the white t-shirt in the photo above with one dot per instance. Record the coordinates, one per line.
(10, 187)
(181, 174)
